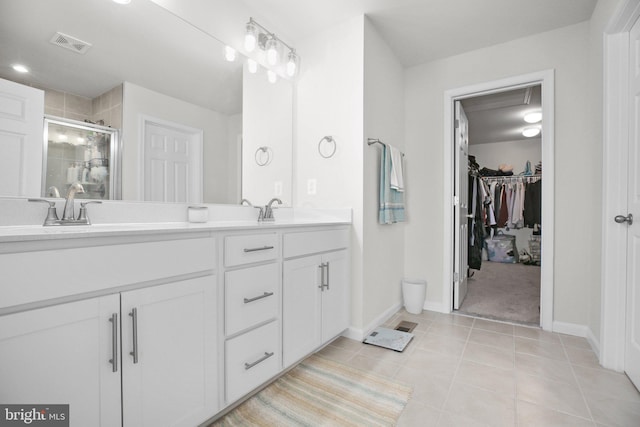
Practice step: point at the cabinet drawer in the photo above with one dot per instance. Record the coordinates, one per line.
(251, 359)
(240, 250)
(251, 297)
(310, 242)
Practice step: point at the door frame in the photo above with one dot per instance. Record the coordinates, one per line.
(615, 149)
(546, 80)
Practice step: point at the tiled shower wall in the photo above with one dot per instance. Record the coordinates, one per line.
(107, 107)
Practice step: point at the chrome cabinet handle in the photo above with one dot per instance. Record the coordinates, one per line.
(622, 219)
(324, 276)
(248, 366)
(134, 316)
(327, 275)
(264, 248)
(266, 294)
(114, 341)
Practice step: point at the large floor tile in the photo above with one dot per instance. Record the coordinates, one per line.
(481, 405)
(494, 339)
(488, 325)
(551, 369)
(613, 412)
(581, 356)
(489, 355)
(432, 363)
(535, 334)
(531, 415)
(377, 366)
(450, 330)
(497, 380)
(448, 419)
(336, 353)
(551, 350)
(428, 389)
(442, 344)
(416, 414)
(453, 319)
(554, 395)
(346, 344)
(571, 341)
(610, 383)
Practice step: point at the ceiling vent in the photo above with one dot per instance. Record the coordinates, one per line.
(71, 43)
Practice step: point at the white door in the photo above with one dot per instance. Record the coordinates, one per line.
(632, 351)
(461, 200)
(62, 355)
(21, 121)
(172, 163)
(169, 355)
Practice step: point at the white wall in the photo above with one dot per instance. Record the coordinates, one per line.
(138, 101)
(267, 110)
(383, 262)
(329, 101)
(576, 210)
(514, 153)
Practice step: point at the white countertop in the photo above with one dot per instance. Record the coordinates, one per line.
(38, 232)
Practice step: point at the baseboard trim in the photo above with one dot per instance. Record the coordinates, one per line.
(360, 334)
(436, 306)
(578, 331)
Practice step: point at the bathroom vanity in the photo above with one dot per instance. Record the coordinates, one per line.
(165, 323)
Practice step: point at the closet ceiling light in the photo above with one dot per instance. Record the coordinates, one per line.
(531, 131)
(533, 117)
(20, 68)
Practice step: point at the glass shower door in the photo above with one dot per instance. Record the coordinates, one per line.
(80, 152)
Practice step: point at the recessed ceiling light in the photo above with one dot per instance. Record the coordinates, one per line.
(122, 1)
(533, 117)
(531, 131)
(20, 68)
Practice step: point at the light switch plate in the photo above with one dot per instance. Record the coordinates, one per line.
(311, 186)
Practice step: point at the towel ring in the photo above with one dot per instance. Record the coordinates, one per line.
(330, 152)
(263, 156)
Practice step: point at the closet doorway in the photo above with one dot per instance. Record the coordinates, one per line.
(498, 212)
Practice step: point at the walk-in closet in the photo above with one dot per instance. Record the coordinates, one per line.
(504, 208)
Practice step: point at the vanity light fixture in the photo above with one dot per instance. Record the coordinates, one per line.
(534, 117)
(252, 66)
(272, 76)
(229, 53)
(531, 131)
(292, 63)
(257, 35)
(20, 68)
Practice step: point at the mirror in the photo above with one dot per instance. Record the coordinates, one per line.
(139, 65)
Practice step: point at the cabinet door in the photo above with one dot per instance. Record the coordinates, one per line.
(61, 355)
(336, 297)
(173, 381)
(301, 308)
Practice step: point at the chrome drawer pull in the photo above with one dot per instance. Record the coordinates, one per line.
(264, 248)
(248, 366)
(114, 341)
(266, 294)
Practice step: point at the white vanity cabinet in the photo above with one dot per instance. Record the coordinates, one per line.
(60, 354)
(316, 292)
(142, 353)
(251, 312)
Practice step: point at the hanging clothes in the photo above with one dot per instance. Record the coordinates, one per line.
(533, 204)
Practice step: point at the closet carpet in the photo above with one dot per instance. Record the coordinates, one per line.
(500, 291)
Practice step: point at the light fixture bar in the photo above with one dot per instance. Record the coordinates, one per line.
(269, 33)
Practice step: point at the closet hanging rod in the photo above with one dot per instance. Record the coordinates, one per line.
(371, 141)
(498, 177)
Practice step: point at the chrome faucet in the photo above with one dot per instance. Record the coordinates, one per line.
(53, 192)
(68, 213)
(268, 210)
(69, 217)
(243, 201)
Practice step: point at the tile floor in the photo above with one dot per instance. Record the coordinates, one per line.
(476, 372)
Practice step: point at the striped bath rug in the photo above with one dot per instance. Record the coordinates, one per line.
(322, 392)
